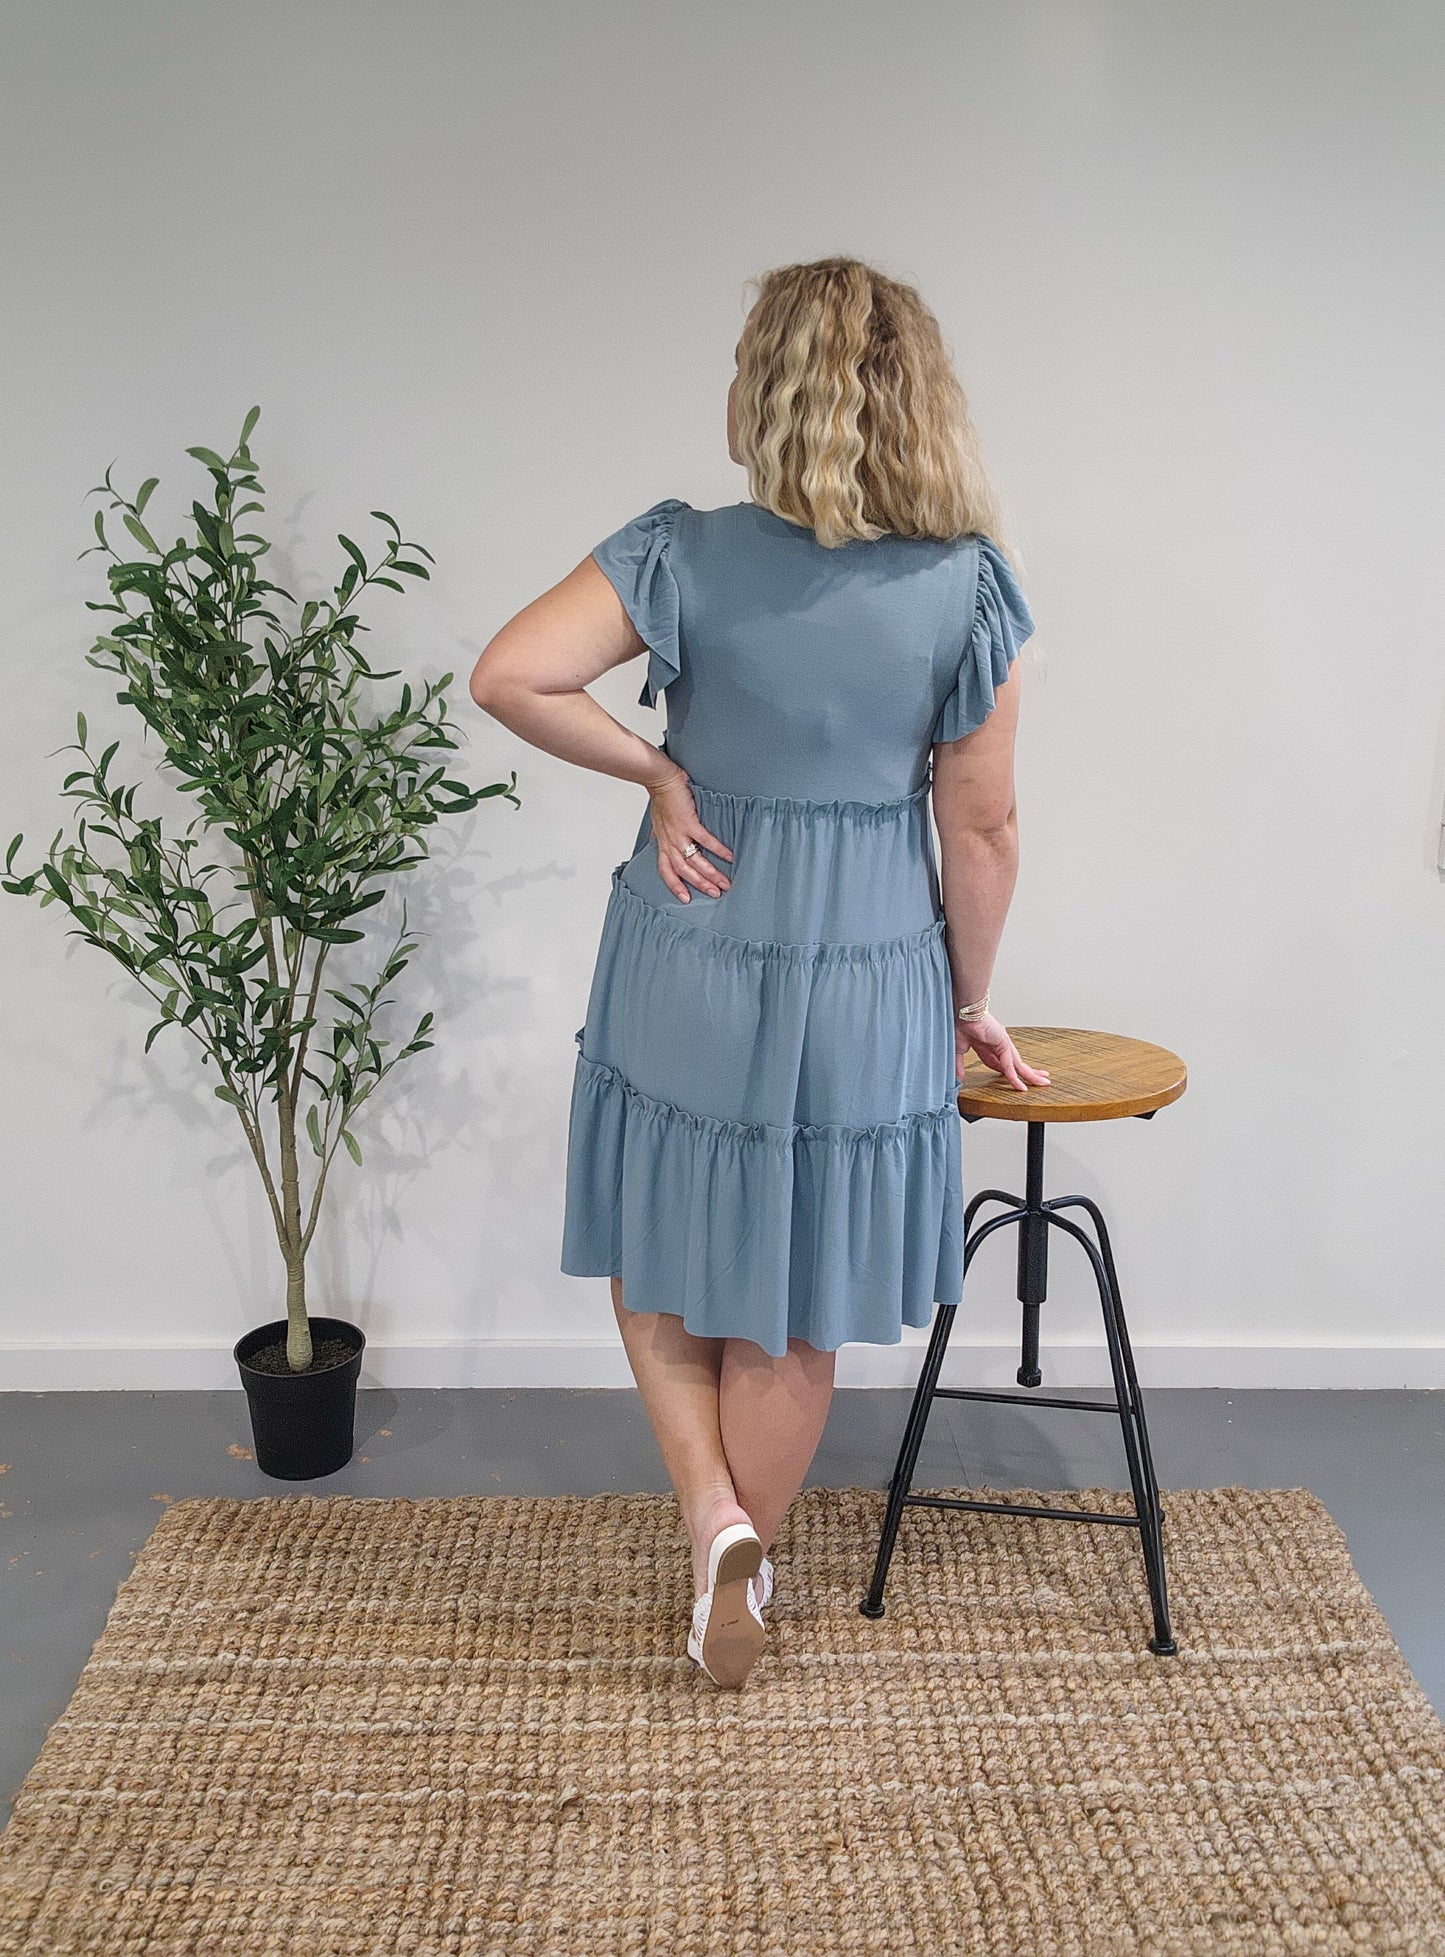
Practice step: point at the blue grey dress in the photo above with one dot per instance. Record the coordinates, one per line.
(764, 1131)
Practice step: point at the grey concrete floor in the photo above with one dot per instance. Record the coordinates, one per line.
(85, 1475)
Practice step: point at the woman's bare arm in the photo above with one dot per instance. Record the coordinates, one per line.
(533, 676)
(977, 818)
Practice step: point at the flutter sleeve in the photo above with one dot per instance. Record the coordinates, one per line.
(635, 560)
(1001, 622)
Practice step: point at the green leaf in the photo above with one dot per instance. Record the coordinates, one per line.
(248, 424)
(412, 570)
(138, 530)
(143, 494)
(209, 457)
(352, 551)
(313, 1128)
(353, 1150)
(80, 727)
(224, 1093)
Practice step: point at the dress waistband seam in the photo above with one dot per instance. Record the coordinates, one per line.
(837, 803)
(836, 806)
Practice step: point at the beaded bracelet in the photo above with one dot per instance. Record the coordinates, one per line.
(976, 1010)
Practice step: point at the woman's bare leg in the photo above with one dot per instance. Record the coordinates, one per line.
(771, 1414)
(677, 1376)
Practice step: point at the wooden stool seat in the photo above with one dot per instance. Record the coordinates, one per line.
(1092, 1077)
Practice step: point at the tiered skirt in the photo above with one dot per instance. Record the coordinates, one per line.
(764, 1132)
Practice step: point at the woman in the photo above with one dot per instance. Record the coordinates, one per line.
(763, 1142)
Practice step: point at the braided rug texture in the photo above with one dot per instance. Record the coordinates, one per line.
(345, 1727)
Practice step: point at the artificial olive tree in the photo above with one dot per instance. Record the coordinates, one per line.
(309, 797)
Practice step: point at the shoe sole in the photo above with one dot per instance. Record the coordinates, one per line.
(733, 1637)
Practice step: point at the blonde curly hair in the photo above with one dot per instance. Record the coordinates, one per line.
(850, 418)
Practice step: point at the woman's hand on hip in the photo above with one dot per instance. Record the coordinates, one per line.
(989, 1039)
(675, 824)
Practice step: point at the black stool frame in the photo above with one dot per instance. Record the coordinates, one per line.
(1033, 1216)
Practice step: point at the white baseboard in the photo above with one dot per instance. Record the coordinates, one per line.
(83, 1366)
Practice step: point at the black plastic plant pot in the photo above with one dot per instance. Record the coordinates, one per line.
(303, 1424)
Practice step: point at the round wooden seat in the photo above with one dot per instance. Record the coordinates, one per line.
(1092, 1077)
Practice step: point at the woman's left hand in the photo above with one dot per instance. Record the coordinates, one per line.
(989, 1039)
(675, 824)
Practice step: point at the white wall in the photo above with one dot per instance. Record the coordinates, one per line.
(482, 266)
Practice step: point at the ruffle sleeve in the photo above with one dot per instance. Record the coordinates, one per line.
(635, 561)
(1001, 622)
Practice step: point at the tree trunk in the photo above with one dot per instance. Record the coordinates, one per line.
(298, 1325)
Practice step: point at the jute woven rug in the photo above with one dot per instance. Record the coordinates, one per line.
(337, 1727)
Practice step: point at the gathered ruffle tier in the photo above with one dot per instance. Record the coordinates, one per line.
(764, 1131)
(814, 873)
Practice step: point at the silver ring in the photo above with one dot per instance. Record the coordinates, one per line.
(691, 850)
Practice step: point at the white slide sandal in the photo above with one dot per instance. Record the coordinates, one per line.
(727, 1627)
(763, 1585)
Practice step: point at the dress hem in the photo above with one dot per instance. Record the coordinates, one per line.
(828, 1233)
(917, 1324)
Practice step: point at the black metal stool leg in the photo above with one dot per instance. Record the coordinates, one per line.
(1135, 1428)
(1033, 1267)
(872, 1604)
(1101, 1227)
(1034, 1216)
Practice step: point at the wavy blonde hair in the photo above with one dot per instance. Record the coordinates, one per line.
(850, 418)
